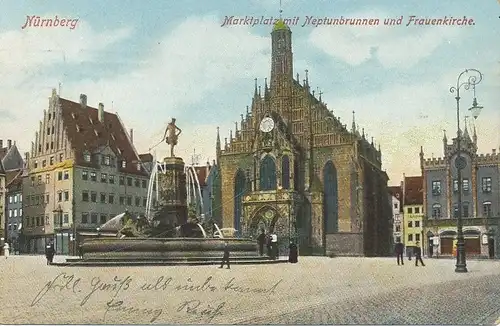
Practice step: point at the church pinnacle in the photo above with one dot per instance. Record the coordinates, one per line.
(353, 122)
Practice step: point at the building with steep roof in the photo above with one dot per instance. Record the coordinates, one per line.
(292, 167)
(413, 210)
(82, 169)
(480, 198)
(396, 199)
(12, 164)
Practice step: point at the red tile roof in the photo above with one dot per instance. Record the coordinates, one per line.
(146, 157)
(86, 133)
(414, 190)
(202, 173)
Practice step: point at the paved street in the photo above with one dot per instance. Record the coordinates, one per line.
(317, 290)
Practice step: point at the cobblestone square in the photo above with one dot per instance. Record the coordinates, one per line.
(317, 290)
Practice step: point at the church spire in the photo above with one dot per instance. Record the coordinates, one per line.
(266, 89)
(445, 142)
(474, 135)
(466, 132)
(353, 122)
(218, 146)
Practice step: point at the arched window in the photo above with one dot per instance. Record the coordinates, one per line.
(267, 173)
(330, 198)
(239, 191)
(487, 212)
(285, 172)
(436, 211)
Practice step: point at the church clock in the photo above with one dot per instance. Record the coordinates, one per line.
(266, 125)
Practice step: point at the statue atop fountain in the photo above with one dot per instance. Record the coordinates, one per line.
(171, 135)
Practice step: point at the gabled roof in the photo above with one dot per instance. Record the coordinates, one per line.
(414, 190)
(202, 173)
(14, 179)
(87, 134)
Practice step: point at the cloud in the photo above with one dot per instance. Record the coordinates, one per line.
(23, 53)
(402, 118)
(392, 46)
(196, 60)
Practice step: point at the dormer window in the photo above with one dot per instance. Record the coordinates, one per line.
(107, 160)
(124, 164)
(86, 157)
(91, 121)
(73, 116)
(77, 128)
(138, 166)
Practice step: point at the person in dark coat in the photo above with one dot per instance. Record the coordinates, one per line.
(399, 249)
(225, 258)
(293, 254)
(80, 250)
(417, 251)
(268, 244)
(261, 239)
(50, 252)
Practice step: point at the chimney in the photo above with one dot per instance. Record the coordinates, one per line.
(100, 113)
(131, 135)
(83, 100)
(1, 143)
(213, 162)
(208, 168)
(9, 143)
(494, 150)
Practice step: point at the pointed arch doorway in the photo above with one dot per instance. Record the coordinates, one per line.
(264, 218)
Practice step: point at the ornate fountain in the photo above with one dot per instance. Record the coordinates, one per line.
(171, 232)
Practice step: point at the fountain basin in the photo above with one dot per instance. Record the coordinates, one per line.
(134, 249)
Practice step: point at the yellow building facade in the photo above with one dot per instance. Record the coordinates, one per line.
(413, 212)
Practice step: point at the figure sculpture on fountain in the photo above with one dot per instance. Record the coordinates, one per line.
(171, 135)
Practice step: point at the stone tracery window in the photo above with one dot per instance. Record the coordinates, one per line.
(267, 173)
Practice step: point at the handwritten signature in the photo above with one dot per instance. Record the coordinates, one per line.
(66, 282)
(118, 306)
(62, 282)
(195, 307)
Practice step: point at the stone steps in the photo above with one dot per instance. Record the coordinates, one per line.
(165, 262)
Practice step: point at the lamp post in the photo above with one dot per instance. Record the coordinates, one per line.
(473, 79)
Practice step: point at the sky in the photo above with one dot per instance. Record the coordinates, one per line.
(151, 62)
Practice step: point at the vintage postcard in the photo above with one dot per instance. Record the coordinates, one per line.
(250, 162)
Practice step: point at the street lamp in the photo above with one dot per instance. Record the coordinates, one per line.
(460, 162)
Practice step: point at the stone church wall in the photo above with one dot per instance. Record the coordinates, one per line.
(344, 244)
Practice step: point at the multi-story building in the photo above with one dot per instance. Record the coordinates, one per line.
(413, 212)
(2, 205)
(82, 170)
(395, 198)
(292, 167)
(12, 163)
(480, 189)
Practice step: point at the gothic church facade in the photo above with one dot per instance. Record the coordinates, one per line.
(293, 168)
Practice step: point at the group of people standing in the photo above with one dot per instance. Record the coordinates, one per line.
(270, 240)
(417, 252)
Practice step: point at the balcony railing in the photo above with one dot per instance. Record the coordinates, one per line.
(467, 221)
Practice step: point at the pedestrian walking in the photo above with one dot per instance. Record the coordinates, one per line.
(418, 254)
(50, 252)
(225, 258)
(274, 246)
(261, 240)
(80, 250)
(399, 249)
(293, 253)
(6, 250)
